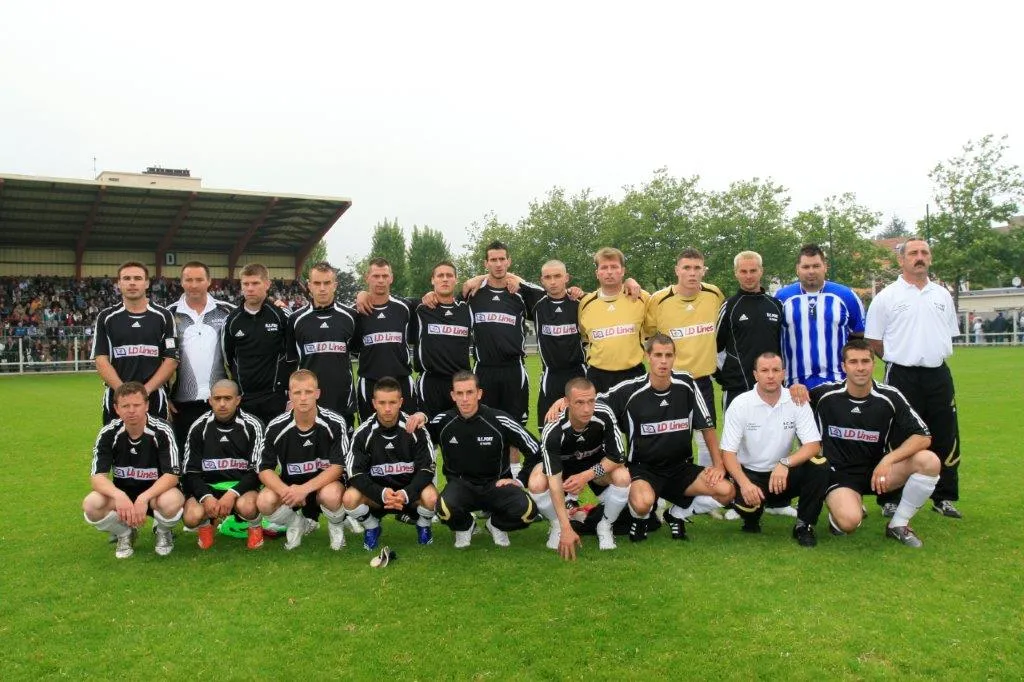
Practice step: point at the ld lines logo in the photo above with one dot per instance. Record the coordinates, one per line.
(668, 426)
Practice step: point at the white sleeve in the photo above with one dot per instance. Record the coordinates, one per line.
(732, 430)
(951, 321)
(874, 327)
(806, 428)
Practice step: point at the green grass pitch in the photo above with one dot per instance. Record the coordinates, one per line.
(724, 605)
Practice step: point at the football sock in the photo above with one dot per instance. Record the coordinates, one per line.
(545, 506)
(915, 493)
(426, 516)
(282, 515)
(167, 524)
(636, 515)
(110, 524)
(334, 517)
(362, 515)
(615, 498)
(702, 504)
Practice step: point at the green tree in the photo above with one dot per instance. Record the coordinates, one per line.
(389, 242)
(972, 190)
(427, 248)
(749, 216)
(653, 223)
(317, 254)
(896, 227)
(841, 227)
(348, 286)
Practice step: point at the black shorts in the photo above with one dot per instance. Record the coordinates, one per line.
(506, 388)
(133, 494)
(157, 405)
(552, 387)
(411, 509)
(604, 379)
(857, 479)
(435, 393)
(669, 484)
(572, 467)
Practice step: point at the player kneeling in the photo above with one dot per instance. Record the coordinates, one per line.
(141, 452)
(219, 475)
(308, 443)
(390, 467)
(582, 445)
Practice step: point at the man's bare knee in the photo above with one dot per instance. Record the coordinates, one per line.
(538, 481)
(927, 463)
(268, 501)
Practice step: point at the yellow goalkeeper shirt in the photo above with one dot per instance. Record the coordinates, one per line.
(612, 328)
(691, 322)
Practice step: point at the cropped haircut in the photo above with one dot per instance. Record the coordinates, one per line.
(609, 253)
(256, 270)
(130, 388)
(132, 264)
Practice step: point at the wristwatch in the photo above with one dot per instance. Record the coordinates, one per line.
(784, 462)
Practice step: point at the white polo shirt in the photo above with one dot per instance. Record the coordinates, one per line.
(916, 326)
(761, 434)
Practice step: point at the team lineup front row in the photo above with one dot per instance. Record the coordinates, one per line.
(855, 437)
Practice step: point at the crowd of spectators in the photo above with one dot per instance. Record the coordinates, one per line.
(45, 315)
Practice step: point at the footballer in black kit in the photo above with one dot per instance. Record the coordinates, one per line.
(136, 344)
(320, 340)
(218, 452)
(442, 349)
(561, 348)
(567, 451)
(382, 340)
(253, 345)
(749, 324)
(136, 464)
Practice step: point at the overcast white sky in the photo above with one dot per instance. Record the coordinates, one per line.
(435, 113)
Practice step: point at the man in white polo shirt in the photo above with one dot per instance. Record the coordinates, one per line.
(911, 324)
(756, 441)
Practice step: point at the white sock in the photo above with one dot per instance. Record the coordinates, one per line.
(545, 506)
(282, 515)
(702, 504)
(426, 516)
(680, 513)
(615, 498)
(635, 515)
(916, 492)
(110, 524)
(334, 517)
(362, 515)
(165, 523)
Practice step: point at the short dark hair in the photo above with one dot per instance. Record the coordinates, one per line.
(387, 385)
(497, 245)
(196, 264)
(690, 252)
(132, 264)
(857, 344)
(810, 250)
(578, 384)
(256, 270)
(130, 388)
(465, 375)
(323, 266)
(444, 264)
(378, 262)
(659, 339)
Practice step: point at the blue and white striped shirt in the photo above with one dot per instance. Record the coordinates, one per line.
(815, 327)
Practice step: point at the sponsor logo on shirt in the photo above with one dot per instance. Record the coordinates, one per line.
(667, 426)
(136, 473)
(494, 318)
(447, 329)
(558, 329)
(617, 330)
(392, 469)
(692, 330)
(224, 464)
(325, 347)
(299, 468)
(844, 433)
(136, 350)
(383, 337)
(584, 454)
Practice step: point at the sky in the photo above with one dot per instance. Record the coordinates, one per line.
(438, 113)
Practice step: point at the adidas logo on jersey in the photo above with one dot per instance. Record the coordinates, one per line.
(136, 324)
(307, 443)
(743, 317)
(855, 410)
(239, 333)
(689, 307)
(389, 446)
(224, 439)
(664, 403)
(558, 309)
(580, 439)
(454, 441)
(381, 316)
(447, 313)
(133, 451)
(611, 307)
(323, 325)
(496, 298)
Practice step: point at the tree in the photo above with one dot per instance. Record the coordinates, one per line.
(389, 242)
(481, 233)
(317, 254)
(749, 216)
(427, 248)
(348, 286)
(896, 227)
(972, 191)
(841, 227)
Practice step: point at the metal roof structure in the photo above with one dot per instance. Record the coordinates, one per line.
(90, 215)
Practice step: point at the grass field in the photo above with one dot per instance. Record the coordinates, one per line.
(724, 605)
